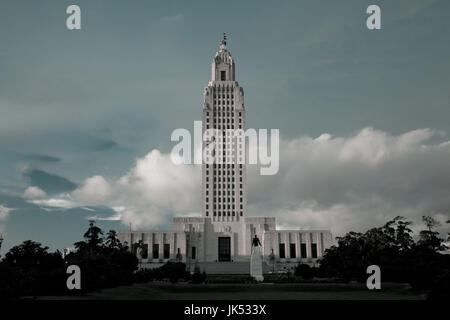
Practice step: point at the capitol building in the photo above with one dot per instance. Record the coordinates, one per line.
(222, 236)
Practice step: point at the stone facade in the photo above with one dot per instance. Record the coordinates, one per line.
(224, 232)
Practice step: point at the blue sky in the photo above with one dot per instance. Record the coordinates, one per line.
(95, 103)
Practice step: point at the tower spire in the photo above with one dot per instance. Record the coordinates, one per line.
(223, 42)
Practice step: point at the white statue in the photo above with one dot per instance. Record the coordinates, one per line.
(139, 251)
(256, 260)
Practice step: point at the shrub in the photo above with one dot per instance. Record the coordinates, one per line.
(198, 277)
(304, 271)
(441, 287)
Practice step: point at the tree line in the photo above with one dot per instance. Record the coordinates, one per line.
(30, 269)
(392, 247)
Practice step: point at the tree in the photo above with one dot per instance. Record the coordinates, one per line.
(93, 239)
(112, 241)
(430, 237)
(387, 246)
(29, 268)
(304, 271)
(104, 264)
(448, 234)
(31, 254)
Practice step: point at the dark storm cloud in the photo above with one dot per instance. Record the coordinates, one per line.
(100, 145)
(50, 183)
(105, 95)
(40, 158)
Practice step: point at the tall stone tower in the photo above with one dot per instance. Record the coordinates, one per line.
(224, 180)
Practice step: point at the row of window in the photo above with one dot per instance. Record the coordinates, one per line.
(224, 214)
(224, 127)
(224, 193)
(218, 185)
(218, 199)
(223, 96)
(240, 159)
(228, 120)
(224, 107)
(155, 251)
(223, 172)
(227, 179)
(219, 166)
(223, 113)
(224, 152)
(282, 247)
(293, 252)
(224, 102)
(223, 89)
(225, 206)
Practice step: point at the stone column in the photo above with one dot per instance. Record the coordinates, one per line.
(319, 245)
(286, 246)
(161, 245)
(171, 243)
(308, 245)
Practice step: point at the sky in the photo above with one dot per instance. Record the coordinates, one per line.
(86, 115)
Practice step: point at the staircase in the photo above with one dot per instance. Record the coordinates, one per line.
(239, 267)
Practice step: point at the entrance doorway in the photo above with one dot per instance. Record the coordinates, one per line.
(224, 249)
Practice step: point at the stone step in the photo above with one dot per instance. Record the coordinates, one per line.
(228, 267)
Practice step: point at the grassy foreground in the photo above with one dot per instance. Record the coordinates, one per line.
(270, 291)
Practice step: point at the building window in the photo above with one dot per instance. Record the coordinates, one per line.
(314, 250)
(155, 251)
(303, 250)
(292, 251)
(222, 75)
(166, 251)
(194, 253)
(282, 251)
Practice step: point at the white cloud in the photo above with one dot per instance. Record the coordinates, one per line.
(171, 19)
(63, 201)
(94, 190)
(337, 183)
(148, 195)
(34, 193)
(115, 217)
(4, 213)
(356, 182)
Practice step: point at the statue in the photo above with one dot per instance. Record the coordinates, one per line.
(272, 260)
(139, 250)
(256, 260)
(179, 257)
(255, 241)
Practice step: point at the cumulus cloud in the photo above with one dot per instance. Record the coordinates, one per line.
(148, 195)
(337, 183)
(4, 213)
(34, 193)
(93, 191)
(356, 182)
